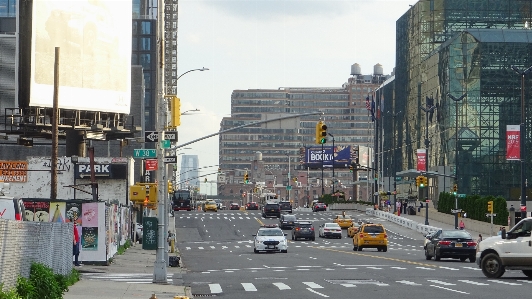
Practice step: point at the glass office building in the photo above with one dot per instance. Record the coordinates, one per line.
(463, 47)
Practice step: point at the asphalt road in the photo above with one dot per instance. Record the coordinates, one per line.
(217, 250)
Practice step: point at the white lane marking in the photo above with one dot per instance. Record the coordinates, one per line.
(281, 286)
(351, 268)
(473, 268)
(188, 248)
(200, 247)
(408, 282)
(237, 246)
(473, 282)
(441, 282)
(213, 247)
(348, 285)
(440, 287)
(318, 293)
(425, 268)
(216, 288)
(399, 268)
(505, 282)
(525, 281)
(249, 287)
(302, 269)
(448, 268)
(312, 285)
(377, 268)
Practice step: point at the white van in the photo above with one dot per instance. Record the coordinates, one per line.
(11, 208)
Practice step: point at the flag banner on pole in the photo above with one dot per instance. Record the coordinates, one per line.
(513, 140)
(367, 103)
(421, 160)
(372, 108)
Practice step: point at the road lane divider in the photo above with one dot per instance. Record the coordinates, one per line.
(259, 221)
(377, 257)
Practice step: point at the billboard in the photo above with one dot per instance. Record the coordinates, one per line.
(342, 156)
(94, 37)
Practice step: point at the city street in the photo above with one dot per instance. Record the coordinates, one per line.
(217, 250)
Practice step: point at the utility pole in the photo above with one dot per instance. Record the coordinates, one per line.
(394, 169)
(333, 179)
(427, 110)
(159, 267)
(456, 100)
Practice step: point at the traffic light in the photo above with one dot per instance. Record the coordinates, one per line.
(490, 206)
(321, 132)
(425, 181)
(246, 178)
(152, 194)
(418, 181)
(351, 168)
(455, 189)
(295, 179)
(170, 187)
(219, 170)
(137, 193)
(175, 111)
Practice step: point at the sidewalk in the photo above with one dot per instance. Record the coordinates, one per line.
(135, 261)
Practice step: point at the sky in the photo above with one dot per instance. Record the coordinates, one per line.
(267, 44)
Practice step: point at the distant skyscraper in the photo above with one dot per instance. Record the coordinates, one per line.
(189, 172)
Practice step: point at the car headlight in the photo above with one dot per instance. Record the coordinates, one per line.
(258, 241)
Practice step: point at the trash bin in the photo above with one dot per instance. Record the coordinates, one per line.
(411, 211)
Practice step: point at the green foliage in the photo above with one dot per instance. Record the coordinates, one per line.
(475, 206)
(8, 294)
(122, 248)
(42, 284)
(25, 288)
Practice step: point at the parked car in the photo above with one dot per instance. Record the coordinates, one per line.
(286, 206)
(287, 221)
(252, 206)
(271, 210)
(327, 230)
(371, 235)
(454, 243)
(319, 206)
(234, 206)
(303, 230)
(138, 232)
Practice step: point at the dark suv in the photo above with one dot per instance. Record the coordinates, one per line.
(252, 206)
(286, 206)
(303, 230)
(271, 210)
(287, 221)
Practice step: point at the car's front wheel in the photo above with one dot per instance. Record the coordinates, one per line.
(255, 250)
(427, 255)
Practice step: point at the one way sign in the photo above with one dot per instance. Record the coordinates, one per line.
(153, 136)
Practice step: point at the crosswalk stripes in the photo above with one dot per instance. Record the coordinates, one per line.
(216, 288)
(136, 278)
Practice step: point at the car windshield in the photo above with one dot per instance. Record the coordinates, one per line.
(373, 229)
(455, 234)
(289, 218)
(210, 203)
(270, 232)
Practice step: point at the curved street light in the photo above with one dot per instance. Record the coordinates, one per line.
(201, 70)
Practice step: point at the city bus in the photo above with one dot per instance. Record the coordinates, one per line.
(181, 200)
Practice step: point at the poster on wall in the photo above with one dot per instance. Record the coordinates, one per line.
(90, 214)
(89, 238)
(513, 142)
(57, 211)
(37, 211)
(73, 212)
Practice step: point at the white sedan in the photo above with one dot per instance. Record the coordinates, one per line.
(270, 238)
(327, 230)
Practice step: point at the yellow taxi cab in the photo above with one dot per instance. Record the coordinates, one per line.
(344, 221)
(210, 205)
(371, 235)
(353, 229)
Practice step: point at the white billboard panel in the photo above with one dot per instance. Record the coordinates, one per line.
(94, 37)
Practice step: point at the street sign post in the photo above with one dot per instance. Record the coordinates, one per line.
(461, 195)
(170, 159)
(151, 164)
(144, 153)
(153, 136)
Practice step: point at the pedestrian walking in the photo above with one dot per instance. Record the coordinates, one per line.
(500, 231)
(479, 238)
(76, 246)
(462, 225)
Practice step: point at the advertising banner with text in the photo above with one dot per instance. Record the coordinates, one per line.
(513, 139)
(421, 160)
(341, 156)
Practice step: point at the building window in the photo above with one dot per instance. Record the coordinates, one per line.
(145, 28)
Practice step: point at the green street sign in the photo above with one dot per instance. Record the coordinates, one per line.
(165, 144)
(288, 187)
(144, 153)
(461, 195)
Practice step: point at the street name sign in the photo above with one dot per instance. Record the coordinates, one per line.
(461, 195)
(144, 153)
(456, 211)
(153, 136)
(170, 159)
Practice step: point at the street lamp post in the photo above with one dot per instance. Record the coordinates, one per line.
(456, 100)
(394, 169)
(161, 255)
(522, 138)
(288, 185)
(427, 110)
(333, 178)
